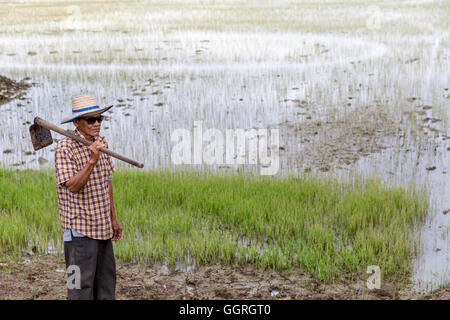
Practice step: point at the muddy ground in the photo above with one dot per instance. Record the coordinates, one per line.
(10, 89)
(323, 144)
(43, 277)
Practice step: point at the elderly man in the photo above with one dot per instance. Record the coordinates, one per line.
(86, 207)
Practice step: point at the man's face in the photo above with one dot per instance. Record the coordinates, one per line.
(89, 126)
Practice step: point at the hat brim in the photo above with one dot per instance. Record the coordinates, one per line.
(71, 118)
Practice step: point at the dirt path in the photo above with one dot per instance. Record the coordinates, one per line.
(43, 277)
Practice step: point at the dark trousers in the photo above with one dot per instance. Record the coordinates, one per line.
(94, 259)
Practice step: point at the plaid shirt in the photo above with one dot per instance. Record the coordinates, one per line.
(87, 211)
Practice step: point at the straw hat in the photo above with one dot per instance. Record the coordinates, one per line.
(83, 106)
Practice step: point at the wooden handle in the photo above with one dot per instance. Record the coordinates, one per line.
(69, 134)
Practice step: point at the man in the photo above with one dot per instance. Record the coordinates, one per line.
(86, 205)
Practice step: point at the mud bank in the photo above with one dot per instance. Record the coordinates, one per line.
(43, 277)
(10, 89)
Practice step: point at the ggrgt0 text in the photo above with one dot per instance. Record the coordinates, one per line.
(246, 309)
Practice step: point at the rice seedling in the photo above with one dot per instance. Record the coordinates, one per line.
(329, 229)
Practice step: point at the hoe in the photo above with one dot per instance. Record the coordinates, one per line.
(41, 137)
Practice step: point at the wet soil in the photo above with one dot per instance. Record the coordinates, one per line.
(10, 89)
(324, 144)
(43, 277)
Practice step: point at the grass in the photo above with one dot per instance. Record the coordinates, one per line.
(330, 229)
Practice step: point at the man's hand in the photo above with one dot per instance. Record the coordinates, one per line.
(117, 230)
(95, 151)
(78, 181)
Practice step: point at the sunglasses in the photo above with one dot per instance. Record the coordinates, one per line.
(92, 120)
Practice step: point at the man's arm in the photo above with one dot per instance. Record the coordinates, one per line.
(117, 229)
(79, 180)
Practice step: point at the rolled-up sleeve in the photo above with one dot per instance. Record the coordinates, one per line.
(65, 165)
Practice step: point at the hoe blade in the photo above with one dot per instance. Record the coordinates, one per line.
(40, 137)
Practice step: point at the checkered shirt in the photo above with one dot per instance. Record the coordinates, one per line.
(87, 211)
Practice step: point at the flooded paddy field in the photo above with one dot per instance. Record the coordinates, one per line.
(355, 88)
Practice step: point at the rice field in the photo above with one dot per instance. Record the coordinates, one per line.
(357, 89)
(334, 231)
